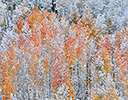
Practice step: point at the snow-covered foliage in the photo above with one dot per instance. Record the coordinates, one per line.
(102, 10)
(73, 53)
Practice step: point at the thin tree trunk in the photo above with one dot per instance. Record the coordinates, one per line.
(54, 6)
(49, 82)
(78, 82)
(88, 80)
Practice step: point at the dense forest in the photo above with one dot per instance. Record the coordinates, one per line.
(63, 50)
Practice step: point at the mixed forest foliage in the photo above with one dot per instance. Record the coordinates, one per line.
(47, 57)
